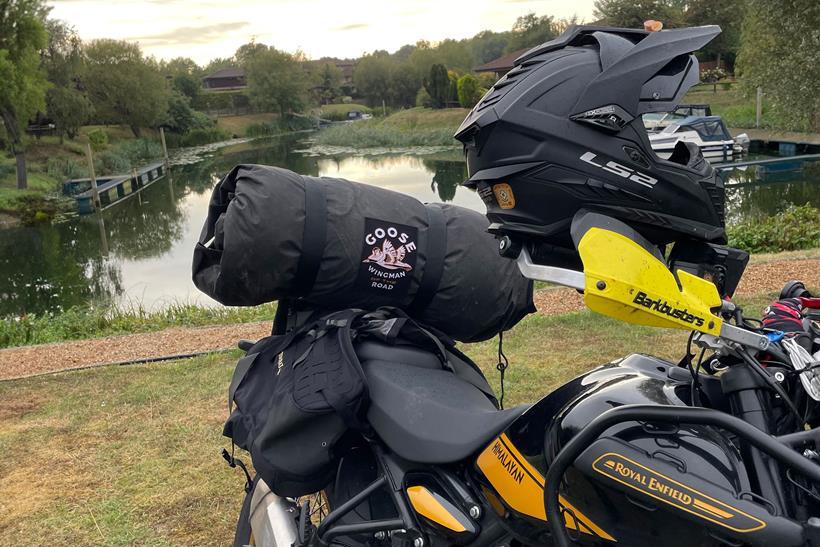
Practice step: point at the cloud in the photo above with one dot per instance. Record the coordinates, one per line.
(351, 26)
(205, 34)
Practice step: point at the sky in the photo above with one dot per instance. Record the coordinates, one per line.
(205, 29)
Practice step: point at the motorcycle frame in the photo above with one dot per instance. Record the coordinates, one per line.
(393, 475)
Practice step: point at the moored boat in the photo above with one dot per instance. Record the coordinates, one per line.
(708, 132)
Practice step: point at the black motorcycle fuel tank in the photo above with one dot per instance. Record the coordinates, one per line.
(636, 485)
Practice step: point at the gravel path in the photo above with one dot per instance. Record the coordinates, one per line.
(32, 360)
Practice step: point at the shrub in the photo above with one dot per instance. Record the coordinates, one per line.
(334, 115)
(198, 137)
(7, 170)
(469, 91)
(98, 139)
(264, 129)
(368, 135)
(424, 99)
(798, 227)
(713, 75)
(112, 162)
(64, 169)
(140, 151)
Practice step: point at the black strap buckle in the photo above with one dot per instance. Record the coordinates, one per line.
(234, 462)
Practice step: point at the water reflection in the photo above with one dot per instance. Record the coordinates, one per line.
(756, 192)
(447, 176)
(139, 251)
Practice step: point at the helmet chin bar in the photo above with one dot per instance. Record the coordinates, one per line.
(551, 274)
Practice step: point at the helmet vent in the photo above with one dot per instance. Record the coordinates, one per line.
(611, 117)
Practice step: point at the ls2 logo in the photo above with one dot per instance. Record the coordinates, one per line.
(620, 170)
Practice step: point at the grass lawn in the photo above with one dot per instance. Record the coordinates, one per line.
(737, 110)
(339, 111)
(236, 125)
(427, 118)
(80, 323)
(411, 127)
(130, 455)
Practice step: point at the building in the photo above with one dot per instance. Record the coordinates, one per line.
(503, 64)
(227, 79)
(347, 68)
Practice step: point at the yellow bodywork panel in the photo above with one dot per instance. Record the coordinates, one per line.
(521, 487)
(627, 282)
(426, 504)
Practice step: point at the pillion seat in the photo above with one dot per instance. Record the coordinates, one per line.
(423, 413)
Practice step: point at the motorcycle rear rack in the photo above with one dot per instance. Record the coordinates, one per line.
(777, 448)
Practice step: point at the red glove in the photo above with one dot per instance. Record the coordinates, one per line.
(785, 315)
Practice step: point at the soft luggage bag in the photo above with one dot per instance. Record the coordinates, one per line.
(297, 397)
(272, 234)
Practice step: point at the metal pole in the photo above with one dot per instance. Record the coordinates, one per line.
(103, 234)
(759, 106)
(95, 194)
(164, 147)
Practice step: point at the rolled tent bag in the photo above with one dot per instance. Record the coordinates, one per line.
(274, 234)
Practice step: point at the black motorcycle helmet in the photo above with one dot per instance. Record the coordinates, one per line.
(562, 131)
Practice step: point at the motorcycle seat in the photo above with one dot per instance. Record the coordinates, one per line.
(429, 415)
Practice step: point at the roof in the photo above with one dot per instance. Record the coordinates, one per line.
(692, 119)
(230, 72)
(502, 64)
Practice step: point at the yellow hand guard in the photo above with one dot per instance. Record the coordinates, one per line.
(627, 282)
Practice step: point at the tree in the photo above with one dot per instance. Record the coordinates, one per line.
(438, 86)
(186, 76)
(246, 52)
(123, 86)
(69, 108)
(455, 55)
(22, 81)
(276, 81)
(726, 13)
(488, 45)
(529, 31)
(67, 105)
(218, 64)
(561, 25)
(469, 92)
(372, 77)
(632, 13)
(778, 52)
(330, 78)
(403, 85)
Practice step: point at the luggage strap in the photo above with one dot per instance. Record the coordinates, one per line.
(314, 237)
(434, 267)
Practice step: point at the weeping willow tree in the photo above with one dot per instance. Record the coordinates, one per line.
(780, 52)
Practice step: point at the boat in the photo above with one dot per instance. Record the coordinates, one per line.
(656, 121)
(708, 132)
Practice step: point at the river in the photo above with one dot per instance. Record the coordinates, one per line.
(138, 253)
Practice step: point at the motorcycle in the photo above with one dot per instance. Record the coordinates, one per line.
(716, 450)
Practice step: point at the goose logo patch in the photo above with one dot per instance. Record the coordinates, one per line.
(388, 257)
